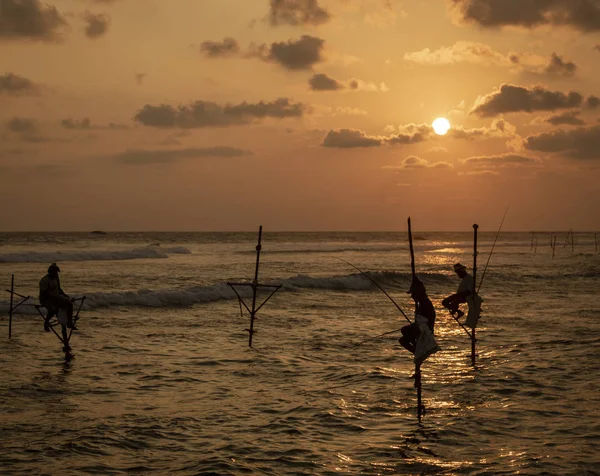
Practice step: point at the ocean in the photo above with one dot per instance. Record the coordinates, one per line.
(164, 382)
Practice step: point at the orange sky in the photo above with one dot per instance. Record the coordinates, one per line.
(215, 115)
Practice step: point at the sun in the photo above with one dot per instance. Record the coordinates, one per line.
(441, 126)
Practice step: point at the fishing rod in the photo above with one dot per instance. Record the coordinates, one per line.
(491, 251)
(377, 337)
(376, 284)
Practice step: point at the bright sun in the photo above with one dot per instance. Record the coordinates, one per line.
(441, 126)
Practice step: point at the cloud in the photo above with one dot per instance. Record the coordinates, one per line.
(501, 160)
(297, 13)
(560, 67)
(499, 129)
(482, 54)
(301, 54)
(323, 82)
(20, 125)
(414, 162)
(583, 15)
(349, 139)
(30, 20)
(569, 118)
(96, 24)
(592, 102)
(580, 143)
(86, 124)
(143, 156)
(209, 114)
(219, 49)
(411, 134)
(511, 98)
(14, 85)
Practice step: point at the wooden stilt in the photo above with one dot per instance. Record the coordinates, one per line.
(10, 310)
(254, 285)
(473, 339)
(420, 406)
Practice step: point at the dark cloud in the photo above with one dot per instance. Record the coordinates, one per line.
(14, 85)
(411, 134)
(84, 123)
(501, 160)
(300, 54)
(592, 102)
(218, 49)
(209, 114)
(557, 66)
(580, 143)
(510, 98)
(322, 82)
(142, 156)
(583, 15)
(30, 20)
(350, 138)
(21, 125)
(297, 13)
(96, 24)
(569, 118)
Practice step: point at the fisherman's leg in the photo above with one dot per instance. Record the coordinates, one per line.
(65, 336)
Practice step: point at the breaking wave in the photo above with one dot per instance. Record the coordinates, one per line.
(91, 255)
(176, 297)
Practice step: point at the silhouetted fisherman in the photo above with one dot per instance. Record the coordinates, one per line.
(53, 298)
(465, 289)
(423, 307)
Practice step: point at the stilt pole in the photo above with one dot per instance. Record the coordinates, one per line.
(254, 288)
(10, 310)
(473, 339)
(420, 406)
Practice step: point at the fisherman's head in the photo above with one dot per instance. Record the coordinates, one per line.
(460, 269)
(417, 288)
(53, 270)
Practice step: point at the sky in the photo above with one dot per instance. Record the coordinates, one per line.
(299, 115)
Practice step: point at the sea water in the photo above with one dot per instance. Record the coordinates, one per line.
(164, 382)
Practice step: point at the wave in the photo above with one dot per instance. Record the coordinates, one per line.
(332, 249)
(181, 297)
(91, 255)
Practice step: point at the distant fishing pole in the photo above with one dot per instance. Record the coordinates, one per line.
(376, 284)
(492, 250)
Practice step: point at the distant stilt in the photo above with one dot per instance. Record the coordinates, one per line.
(473, 339)
(255, 286)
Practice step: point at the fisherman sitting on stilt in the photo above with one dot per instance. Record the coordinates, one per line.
(423, 307)
(465, 289)
(54, 299)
